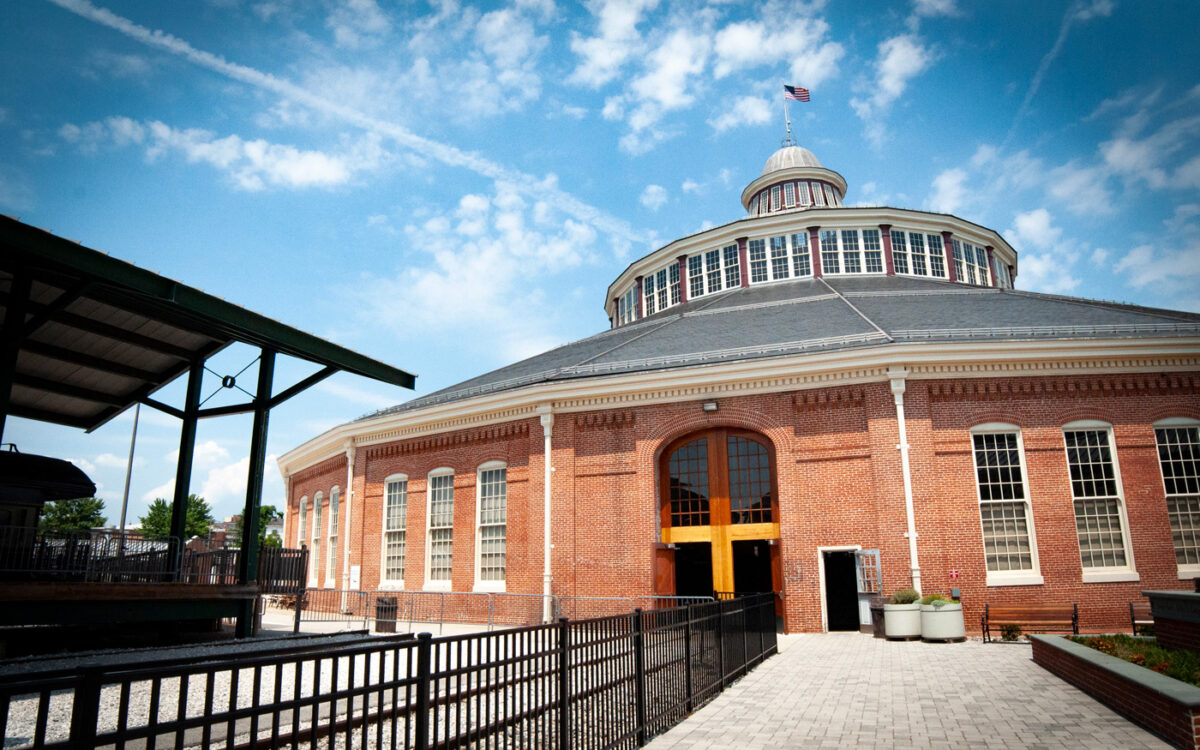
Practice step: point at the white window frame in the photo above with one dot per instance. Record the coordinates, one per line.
(1033, 576)
(805, 196)
(818, 195)
(331, 535)
(1106, 574)
(384, 581)
(789, 195)
(441, 584)
(314, 549)
(1185, 571)
(776, 194)
(480, 584)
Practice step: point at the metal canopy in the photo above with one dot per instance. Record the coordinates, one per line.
(85, 336)
(95, 335)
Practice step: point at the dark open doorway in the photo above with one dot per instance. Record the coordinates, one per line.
(841, 591)
(693, 569)
(752, 566)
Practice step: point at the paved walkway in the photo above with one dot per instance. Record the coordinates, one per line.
(850, 690)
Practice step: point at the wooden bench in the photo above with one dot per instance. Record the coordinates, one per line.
(1139, 616)
(1030, 617)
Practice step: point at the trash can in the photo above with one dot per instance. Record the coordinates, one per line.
(877, 603)
(386, 608)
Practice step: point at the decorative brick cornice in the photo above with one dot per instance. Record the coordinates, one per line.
(334, 463)
(1174, 384)
(437, 442)
(605, 420)
(829, 398)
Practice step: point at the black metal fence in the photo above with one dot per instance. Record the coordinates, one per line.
(610, 682)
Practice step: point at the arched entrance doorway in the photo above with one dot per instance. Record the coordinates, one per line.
(719, 514)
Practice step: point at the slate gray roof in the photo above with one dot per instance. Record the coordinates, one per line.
(812, 315)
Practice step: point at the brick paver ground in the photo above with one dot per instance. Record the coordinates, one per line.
(842, 690)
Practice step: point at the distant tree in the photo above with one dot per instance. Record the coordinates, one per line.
(77, 514)
(266, 514)
(156, 524)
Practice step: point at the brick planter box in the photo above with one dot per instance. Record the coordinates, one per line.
(1163, 705)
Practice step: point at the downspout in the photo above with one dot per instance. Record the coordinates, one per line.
(349, 493)
(547, 419)
(898, 375)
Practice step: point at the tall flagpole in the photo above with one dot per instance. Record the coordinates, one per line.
(137, 411)
(787, 121)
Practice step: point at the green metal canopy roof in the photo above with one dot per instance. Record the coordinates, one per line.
(86, 336)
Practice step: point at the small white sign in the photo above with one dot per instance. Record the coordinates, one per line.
(355, 571)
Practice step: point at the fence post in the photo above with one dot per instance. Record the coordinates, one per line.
(687, 654)
(564, 684)
(721, 641)
(639, 667)
(424, 647)
(85, 709)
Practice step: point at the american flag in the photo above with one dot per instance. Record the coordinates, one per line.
(795, 93)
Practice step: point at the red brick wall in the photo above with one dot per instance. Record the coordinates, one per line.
(322, 478)
(839, 478)
(1169, 719)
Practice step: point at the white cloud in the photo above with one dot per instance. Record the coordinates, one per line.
(788, 36)
(336, 109)
(691, 186)
(250, 164)
(498, 258)
(113, 461)
(1099, 258)
(360, 395)
(1049, 272)
(654, 197)
(949, 191)
(357, 23)
(933, 8)
(1083, 190)
(166, 491)
(1168, 271)
(1076, 13)
(602, 56)
(745, 110)
(900, 59)
(1036, 228)
(102, 63)
(87, 466)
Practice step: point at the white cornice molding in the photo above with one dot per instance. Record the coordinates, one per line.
(798, 220)
(923, 361)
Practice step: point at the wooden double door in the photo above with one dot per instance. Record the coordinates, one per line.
(719, 513)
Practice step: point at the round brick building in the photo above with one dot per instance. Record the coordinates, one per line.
(817, 399)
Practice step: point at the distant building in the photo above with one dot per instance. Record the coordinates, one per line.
(817, 399)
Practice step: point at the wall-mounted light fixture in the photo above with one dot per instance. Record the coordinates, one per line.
(709, 406)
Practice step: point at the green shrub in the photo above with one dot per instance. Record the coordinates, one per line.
(1010, 632)
(905, 596)
(934, 599)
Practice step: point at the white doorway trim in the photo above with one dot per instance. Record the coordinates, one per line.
(821, 577)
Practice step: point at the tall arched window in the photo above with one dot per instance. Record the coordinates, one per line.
(440, 547)
(491, 519)
(314, 554)
(395, 529)
(1178, 441)
(335, 499)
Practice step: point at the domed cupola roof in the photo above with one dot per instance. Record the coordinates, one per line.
(791, 156)
(793, 179)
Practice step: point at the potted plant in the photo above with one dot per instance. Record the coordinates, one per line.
(902, 616)
(941, 619)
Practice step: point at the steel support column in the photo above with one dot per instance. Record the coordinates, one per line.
(248, 560)
(183, 469)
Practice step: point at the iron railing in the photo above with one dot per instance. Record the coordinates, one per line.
(612, 682)
(28, 554)
(109, 557)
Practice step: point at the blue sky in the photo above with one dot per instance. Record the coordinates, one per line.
(449, 187)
